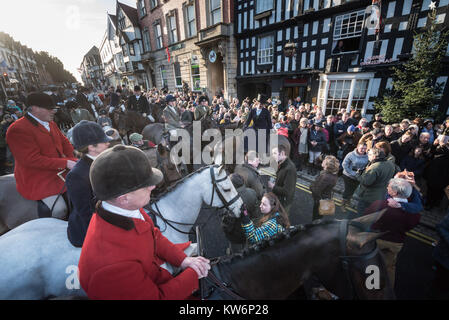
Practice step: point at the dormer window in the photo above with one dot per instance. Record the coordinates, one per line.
(121, 20)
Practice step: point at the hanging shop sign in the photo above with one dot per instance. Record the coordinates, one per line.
(212, 56)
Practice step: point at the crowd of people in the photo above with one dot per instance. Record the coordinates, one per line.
(401, 167)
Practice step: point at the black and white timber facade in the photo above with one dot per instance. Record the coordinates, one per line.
(339, 62)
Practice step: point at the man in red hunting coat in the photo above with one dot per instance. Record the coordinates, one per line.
(40, 151)
(122, 251)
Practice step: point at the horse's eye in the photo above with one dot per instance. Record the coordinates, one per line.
(227, 190)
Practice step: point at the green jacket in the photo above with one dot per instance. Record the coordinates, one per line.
(374, 181)
(284, 188)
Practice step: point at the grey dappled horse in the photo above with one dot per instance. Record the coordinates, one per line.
(15, 209)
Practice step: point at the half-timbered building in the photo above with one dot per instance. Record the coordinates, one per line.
(326, 51)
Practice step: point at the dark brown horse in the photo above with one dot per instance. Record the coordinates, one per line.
(156, 133)
(159, 157)
(129, 121)
(63, 119)
(341, 254)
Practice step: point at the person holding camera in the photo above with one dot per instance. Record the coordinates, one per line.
(355, 161)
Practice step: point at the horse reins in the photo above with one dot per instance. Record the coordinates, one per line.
(226, 204)
(216, 282)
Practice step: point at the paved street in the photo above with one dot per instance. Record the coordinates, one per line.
(414, 267)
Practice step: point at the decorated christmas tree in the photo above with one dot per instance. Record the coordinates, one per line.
(415, 92)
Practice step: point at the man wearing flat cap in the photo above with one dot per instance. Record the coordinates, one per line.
(136, 140)
(41, 151)
(121, 254)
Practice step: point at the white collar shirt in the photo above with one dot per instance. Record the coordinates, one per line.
(134, 214)
(44, 123)
(401, 200)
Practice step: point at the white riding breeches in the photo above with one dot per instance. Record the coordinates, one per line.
(60, 210)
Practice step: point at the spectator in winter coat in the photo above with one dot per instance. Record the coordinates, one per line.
(375, 178)
(354, 161)
(325, 182)
(395, 222)
(428, 127)
(437, 172)
(342, 125)
(401, 147)
(414, 162)
(390, 135)
(300, 138)
(347, 141)
(248, 171)
(425, 144)
(317, 140)
(284, 187)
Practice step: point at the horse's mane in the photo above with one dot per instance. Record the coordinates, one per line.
(265, 244)
(177, 184)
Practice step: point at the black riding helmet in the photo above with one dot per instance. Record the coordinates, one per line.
(121, 170)
(88, 133)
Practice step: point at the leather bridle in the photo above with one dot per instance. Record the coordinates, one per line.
(216, 189)
(347, 261)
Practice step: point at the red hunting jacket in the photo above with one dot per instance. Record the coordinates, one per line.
(120, 261)
(39, 155)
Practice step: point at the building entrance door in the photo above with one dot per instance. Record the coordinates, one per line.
(215, 74)
(291, 93)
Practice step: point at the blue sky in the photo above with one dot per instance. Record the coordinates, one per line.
(66, 29)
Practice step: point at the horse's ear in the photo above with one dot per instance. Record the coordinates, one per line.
(368, 220)
(359, 239)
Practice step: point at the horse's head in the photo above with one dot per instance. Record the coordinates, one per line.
(223, 193)
(362, 273)
(167, 164)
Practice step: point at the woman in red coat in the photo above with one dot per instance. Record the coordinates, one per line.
(122, 251)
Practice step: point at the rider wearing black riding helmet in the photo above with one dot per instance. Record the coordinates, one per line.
(89, 139)
(123, 250)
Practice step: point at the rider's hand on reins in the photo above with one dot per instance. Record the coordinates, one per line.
(200, 264)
